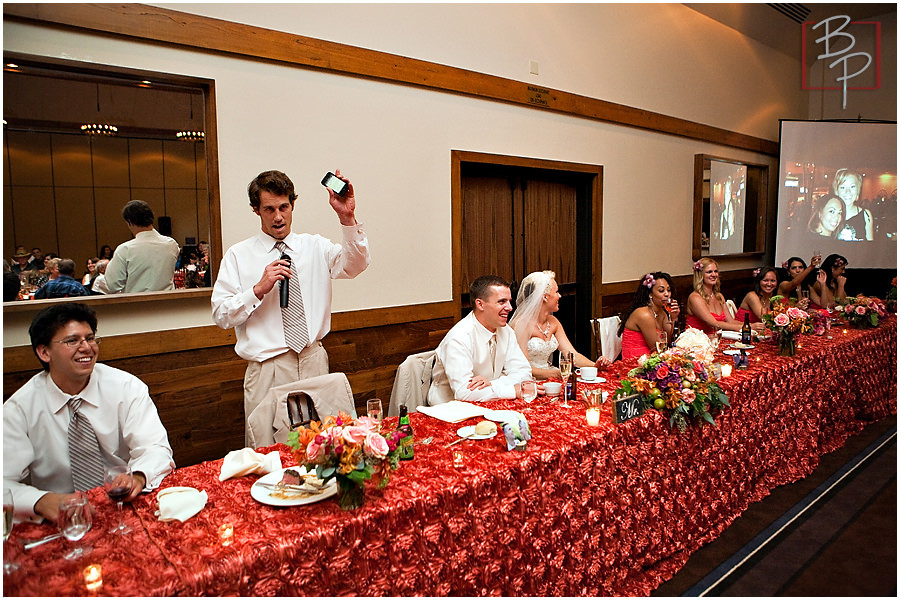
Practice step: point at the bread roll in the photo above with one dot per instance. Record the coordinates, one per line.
(485, 428)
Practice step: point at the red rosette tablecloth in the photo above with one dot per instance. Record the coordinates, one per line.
(584, 511)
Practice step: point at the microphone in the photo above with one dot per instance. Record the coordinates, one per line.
(284, 290)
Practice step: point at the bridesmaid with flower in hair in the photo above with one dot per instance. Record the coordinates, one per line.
(706, 305)
(652, 311)
(757, 302)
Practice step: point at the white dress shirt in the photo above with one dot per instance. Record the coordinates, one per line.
(257, 323)
(144, 264)
(465, 352)
(36, 442)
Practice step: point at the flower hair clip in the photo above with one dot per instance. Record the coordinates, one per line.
(839, 262)
(648, 280)
(784, 265)
(756, 271)
(698, 266)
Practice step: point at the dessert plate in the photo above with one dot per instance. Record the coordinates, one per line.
(469, 432)
(266, 495)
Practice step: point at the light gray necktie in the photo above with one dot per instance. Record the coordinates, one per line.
(84, 450)
(293, 317)
(492, 344)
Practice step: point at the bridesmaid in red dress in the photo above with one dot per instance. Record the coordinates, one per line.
(652, 311)
(757, 302)
(706, 305)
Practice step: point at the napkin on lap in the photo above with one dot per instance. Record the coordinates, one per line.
(180, 503)
(242, 462)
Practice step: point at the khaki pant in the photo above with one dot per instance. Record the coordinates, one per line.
(260, 377)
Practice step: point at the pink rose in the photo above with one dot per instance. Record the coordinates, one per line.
(820, 330)
(375, 445)
(848, 308)
(794, 313)
(355, 434)
(860, 310)
(662, 372)
(315, 450)
(689, 396)
(782, 319)
(368, 422)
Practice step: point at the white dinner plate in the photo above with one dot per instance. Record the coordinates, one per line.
(748, 347)
(261, 494)
(595, 380)
(731, 352)
(469, 432)
(501, 416)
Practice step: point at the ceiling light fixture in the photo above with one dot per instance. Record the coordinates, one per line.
(99, 129)
(191, 136)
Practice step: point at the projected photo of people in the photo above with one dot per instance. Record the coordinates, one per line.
(727, 182)
(857, 225)
(827, 217)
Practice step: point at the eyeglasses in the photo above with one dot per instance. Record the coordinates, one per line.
(74, 343)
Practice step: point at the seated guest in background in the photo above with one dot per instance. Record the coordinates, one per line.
(36, 262)
(63, 286)
(757, 302)
(538, 332)
(706, 308)
(826, 217)
(11, 283)
(830, 288)
(19, 264)
(90, 272)
(105, 252)
(479, 358)
(98, 285)
(146, 263)
(653, 311)
(50, 270)
(73, 388)
(800, 278)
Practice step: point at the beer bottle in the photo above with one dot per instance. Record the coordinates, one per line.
(406, 442)
(745, 329)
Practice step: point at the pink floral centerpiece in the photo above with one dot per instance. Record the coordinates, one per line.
(862, 311)
(786, 322)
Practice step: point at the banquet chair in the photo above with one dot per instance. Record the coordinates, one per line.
(297, 403)
(731, 308)
(606, 332)
(412, 382)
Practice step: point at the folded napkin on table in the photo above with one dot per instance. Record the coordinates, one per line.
(731, 335)
(245, 461)
(180, 503)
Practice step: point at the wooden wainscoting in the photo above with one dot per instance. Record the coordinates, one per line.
(196, 379)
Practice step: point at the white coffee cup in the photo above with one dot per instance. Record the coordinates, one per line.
(587, 373)
(552, 388)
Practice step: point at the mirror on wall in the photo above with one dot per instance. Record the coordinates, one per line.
(81, 140)
(729, 207)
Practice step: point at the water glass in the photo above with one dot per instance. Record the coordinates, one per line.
(375, 410)
(9, 566)
(529, 391)
(74, 522)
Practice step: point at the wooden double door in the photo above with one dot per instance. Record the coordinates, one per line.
(524, 215)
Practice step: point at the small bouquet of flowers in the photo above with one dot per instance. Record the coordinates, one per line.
(862, 311)
(890, 299)
(676, 384)
(786, 322)
(352, 451)
(821, 321)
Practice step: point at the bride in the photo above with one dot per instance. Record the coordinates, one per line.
(538, 332)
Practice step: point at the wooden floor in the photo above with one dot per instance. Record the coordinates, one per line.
(831, 534)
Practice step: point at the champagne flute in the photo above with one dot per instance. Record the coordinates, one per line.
(565, 369)
(375, 410)
(117, 482)
(74, 522)
(662, 343)
(9, 566)
(714, 339)
(529, 391)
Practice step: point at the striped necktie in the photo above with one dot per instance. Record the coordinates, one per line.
(84, 450)
(293, 317)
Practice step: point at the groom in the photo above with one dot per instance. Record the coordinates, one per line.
(479, 358)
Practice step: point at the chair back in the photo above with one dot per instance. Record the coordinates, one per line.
(411, 383)
(606, 332)
(301, 409)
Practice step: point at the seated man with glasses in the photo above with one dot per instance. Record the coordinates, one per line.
(67, 424)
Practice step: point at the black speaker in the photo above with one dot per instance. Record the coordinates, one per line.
(164, 225)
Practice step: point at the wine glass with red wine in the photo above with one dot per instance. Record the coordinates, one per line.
(117, 482)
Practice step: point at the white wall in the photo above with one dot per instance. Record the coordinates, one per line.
(658, 57)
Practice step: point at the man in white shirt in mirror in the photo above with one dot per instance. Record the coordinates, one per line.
(479, 358)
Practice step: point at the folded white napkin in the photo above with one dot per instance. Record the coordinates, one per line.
(731, 335)
(180, 503)
(453, 411)
(242, 462)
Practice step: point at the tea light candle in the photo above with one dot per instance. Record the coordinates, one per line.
(226, 534)
(845, 332)
(593, 416)
(93, 577)
(726, 370)
(459, 458)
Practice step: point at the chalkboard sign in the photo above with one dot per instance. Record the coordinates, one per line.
(627, 407)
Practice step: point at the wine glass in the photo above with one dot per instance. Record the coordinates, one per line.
(8, 566)
(662, 343)
(118, 482)
(565, 369)
(714, 339)
(375, 410)
(529, 391)
(74, 521)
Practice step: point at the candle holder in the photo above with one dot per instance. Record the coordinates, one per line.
(93, 577)
(459, 458)
(726, 370)
(226, 534)
(593, 416)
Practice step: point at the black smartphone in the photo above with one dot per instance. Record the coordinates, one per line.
(332, 182)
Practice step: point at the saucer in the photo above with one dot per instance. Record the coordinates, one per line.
(595, 380)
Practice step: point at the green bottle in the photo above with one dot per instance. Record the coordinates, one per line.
(406, 442)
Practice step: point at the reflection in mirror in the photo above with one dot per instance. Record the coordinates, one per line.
(729, 207)
(81, 140)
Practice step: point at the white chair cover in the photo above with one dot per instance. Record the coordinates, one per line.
(412, 382)
(732, 309)
(609, 342)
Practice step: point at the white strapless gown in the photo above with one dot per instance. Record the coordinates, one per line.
(540, 351)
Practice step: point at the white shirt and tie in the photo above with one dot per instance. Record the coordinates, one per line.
(470, 349)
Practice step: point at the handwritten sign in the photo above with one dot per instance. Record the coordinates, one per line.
(627, 407)
(538, 96)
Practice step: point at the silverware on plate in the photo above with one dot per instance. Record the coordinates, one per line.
(462, 439)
